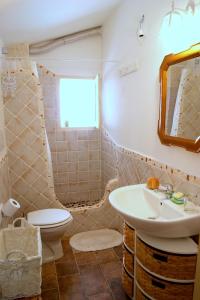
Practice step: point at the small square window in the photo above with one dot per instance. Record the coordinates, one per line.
(79, 102)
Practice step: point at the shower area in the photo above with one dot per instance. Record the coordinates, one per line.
(50, 165)
(75, 152)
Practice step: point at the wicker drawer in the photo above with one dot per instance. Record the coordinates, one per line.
(172, 266)
(128, 261)
(129, 237)
(160, 289)
(139, 295)
(127, 283)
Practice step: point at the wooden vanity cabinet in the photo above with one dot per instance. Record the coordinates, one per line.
(169, 265)
(128, 260)
(129, 238)
(155, 269)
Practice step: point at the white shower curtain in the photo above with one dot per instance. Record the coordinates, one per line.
(186, 119)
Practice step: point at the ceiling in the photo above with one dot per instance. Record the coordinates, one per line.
(37, 20)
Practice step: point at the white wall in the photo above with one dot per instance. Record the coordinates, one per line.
(131, 103)
(81, 58)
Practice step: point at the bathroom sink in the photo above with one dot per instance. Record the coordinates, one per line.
(149, 211)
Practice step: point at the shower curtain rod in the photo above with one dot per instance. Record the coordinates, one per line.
(46, 46)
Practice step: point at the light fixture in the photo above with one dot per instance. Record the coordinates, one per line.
(140, 31)
(180, 27)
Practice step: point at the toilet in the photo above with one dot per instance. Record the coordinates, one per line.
(53, 224)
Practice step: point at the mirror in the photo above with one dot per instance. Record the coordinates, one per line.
(179, 121)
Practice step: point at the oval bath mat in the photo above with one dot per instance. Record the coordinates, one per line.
(96, 240)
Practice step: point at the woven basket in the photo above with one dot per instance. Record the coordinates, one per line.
(128, 261)
(127, 283)
(168, 265)
(20, 260)
(139, 295)
(129, 238)
(161, 289)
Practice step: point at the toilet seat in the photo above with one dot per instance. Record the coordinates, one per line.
(48, 218)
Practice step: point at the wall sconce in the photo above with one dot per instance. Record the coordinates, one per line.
(140, 31)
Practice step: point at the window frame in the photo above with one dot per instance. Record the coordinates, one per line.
(97, 78)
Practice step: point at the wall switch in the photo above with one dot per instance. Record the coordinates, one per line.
(128, 69)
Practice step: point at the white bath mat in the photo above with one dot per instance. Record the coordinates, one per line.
(96, 240)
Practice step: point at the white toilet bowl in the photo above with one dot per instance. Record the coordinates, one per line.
(53, 224)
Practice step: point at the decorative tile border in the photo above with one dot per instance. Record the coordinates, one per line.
(133, 168)
(153, 163)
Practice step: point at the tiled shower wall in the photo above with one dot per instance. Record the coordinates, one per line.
(133, 168)
(75, 152)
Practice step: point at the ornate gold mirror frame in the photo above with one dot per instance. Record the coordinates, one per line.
(169, 60)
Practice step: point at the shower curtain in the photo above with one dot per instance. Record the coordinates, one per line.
(186, 118)
(25, 136)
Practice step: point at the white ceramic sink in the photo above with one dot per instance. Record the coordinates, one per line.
(152, 213)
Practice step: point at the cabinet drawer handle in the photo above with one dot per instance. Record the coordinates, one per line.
(160, 257)
(158, 284)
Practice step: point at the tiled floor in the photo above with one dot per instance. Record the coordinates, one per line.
(83, 276)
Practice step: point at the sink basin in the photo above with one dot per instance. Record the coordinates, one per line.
(149, 211)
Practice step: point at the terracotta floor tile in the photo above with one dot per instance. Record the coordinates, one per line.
(31, 298)
(111, 269)
(68, 256)
(76, 296)
(50, 295)
(66, 268)
(117, 290)
(92, 280)
(49, 282)
(83, 276)
(85, 269)
(84, 258)
(70, 285)
(101, 296)
(119, 251)
(49, 276)
(105, 256)
(48, 269)
(66, 245)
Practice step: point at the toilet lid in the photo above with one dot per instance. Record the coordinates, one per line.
(49, 216)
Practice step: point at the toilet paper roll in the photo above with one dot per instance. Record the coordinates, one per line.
(10, 207)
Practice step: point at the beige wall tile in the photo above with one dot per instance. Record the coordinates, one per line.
(83, 166)
(94, 155)
(83, 176)
(72, 156)
(83, 156)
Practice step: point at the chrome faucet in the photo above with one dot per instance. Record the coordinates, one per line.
(167, 189)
